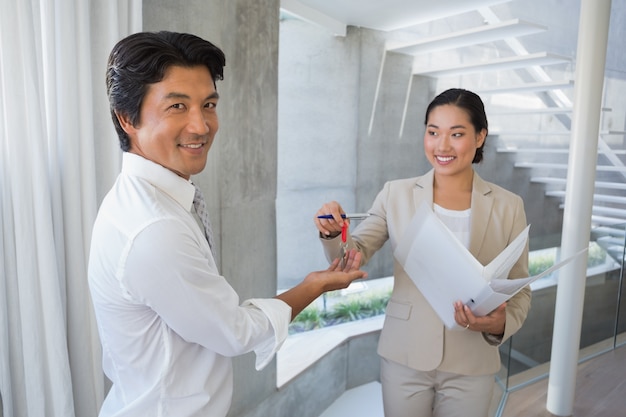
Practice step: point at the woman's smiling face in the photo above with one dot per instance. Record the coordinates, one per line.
(450, 141)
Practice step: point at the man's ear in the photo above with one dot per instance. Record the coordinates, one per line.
(125, 123)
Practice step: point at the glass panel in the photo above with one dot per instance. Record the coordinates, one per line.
(530, 348)
(502, 377)
(600, 309)
(526, 357)
(615, 242)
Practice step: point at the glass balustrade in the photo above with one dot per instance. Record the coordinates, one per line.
(526, 356)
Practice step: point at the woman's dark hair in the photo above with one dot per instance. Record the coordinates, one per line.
(472, 104)
(142, 59)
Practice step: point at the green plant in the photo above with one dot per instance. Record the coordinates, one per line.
(309, 319)
(351, 308)
(542, 260)
(539, 263)
(347, 311)
(597, 255)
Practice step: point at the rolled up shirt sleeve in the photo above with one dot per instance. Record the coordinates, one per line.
(279, 314)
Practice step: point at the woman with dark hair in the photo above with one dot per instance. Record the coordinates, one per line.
(426, 368)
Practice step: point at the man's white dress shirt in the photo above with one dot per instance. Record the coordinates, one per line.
(168, 321)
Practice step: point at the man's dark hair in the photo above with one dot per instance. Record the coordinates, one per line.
(472, 104)
(142, 59)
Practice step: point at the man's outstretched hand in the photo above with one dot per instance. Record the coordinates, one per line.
(335, 277)
(318, 282)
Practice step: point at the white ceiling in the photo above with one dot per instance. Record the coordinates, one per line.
(382, 15)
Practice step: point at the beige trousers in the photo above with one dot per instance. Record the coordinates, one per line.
(411, 393)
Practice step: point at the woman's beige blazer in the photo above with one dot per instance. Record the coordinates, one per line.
(413, 335)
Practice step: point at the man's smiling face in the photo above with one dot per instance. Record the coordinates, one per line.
(177, 121)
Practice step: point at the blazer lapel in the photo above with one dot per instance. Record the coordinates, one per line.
(481, 204)
(423, 191)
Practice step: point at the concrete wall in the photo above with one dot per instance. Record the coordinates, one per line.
(318, 103)
(351, 364)
(240, 177)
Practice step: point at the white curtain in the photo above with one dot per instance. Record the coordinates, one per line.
(58, 155)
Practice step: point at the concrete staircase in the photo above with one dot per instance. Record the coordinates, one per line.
(526, 95)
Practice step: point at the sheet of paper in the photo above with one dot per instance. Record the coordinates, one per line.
(445, 271)
(501, 289)
(502, 264)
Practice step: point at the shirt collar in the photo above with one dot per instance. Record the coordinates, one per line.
(177, 187)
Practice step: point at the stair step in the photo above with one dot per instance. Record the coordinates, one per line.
(615, 213)
(617, 253)
(474, 36)
(535, 151)
(513, 149)
(604, 168)
(611, 211)
(530, 132)
(615, 232)
(608, 241)
(514, 62)
(606, 221)
(542, 110)
(528, 88)
(597, 197)
(563, 182)
(548, 133)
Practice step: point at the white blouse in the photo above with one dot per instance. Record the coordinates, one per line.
(457, 221)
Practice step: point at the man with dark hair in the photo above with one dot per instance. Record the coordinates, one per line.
(168, 321)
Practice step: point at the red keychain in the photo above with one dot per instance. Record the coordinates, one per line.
(344, 245)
